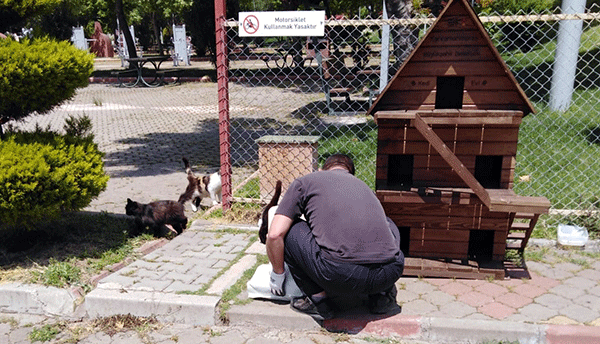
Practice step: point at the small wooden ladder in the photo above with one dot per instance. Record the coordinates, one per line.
(519, 232)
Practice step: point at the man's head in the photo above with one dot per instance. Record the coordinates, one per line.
(339, 160)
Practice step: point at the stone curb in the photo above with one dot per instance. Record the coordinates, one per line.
(572, 334)
(112, 80)
(35, 299)
(166, 307)
(431, 330)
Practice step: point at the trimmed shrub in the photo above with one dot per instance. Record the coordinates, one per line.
(37, 75)
(43, 173)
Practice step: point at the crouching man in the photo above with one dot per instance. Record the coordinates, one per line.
(346, 247)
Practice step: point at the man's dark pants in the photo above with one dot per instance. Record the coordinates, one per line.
(314, 274)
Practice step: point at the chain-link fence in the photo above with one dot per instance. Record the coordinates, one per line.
(285, 91)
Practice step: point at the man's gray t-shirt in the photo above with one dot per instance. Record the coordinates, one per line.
(344, 215)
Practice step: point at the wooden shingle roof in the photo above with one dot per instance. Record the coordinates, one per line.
(456, 48)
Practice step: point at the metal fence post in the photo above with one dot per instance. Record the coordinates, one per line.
(567, 52)
(223, 96)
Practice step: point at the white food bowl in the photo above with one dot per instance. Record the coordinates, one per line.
(570, 235)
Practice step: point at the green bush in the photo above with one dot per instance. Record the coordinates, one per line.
(37, 75)
(43, 173)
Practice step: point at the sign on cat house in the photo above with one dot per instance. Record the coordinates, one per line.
(448, 125)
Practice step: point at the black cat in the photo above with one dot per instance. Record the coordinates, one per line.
(264, 220)
(157, 215)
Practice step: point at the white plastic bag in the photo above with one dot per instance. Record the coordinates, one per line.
(258, 285)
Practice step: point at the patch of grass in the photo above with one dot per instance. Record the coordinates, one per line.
(233, 231)
(118, 254)
(9, 320)
(238, 213)
(341, 337)
(513, 256)
(546, 227)
(67, 251)
(45, 333)
(249, 190)
(120, 323)
(537, 254)
(359, 142)
(58, 274)
(381, 340)
(211, 332)
(554, 255)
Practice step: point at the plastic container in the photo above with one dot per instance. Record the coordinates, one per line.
(569, 235)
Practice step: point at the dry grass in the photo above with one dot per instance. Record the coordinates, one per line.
(121, 323)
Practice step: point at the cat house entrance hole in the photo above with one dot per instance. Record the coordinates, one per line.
(449, 92)
(481, 244)
(404, 239)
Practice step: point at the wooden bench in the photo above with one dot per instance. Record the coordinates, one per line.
(340, 92)
(174, 73)
(127, 73)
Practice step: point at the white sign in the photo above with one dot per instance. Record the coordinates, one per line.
(282, 23)
(180, 45)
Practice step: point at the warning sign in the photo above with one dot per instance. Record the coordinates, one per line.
(250, 25)
(282, 23)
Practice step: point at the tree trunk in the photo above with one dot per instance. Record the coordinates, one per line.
(157, 33)
(125, 28)
(404, 38)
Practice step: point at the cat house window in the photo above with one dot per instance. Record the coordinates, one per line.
(400, 172)
(488, 170)
(449, 92)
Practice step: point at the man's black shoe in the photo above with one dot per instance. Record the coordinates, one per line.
(385, 302)
(319, 311)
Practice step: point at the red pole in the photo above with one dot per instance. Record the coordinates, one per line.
(223, 96)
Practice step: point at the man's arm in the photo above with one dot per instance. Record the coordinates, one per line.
(275, 241)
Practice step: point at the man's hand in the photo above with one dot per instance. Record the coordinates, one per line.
(276, 283)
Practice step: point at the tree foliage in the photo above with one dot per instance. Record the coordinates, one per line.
(15, 12)
(518, 6)
(200, 21)
(37, 75)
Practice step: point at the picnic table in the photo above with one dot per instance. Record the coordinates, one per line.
(150, 77)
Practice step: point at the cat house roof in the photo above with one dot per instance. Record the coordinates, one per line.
(456, 66)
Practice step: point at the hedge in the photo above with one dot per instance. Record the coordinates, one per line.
(44, 173)
(37, 75)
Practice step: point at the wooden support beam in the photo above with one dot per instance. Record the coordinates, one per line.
(452, 160)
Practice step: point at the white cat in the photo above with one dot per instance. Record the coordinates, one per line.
(199, 188)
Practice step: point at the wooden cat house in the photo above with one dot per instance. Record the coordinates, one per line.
(448, 125)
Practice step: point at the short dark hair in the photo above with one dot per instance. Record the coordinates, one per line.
(341, 160)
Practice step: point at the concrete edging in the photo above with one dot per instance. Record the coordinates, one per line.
(39, 300)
